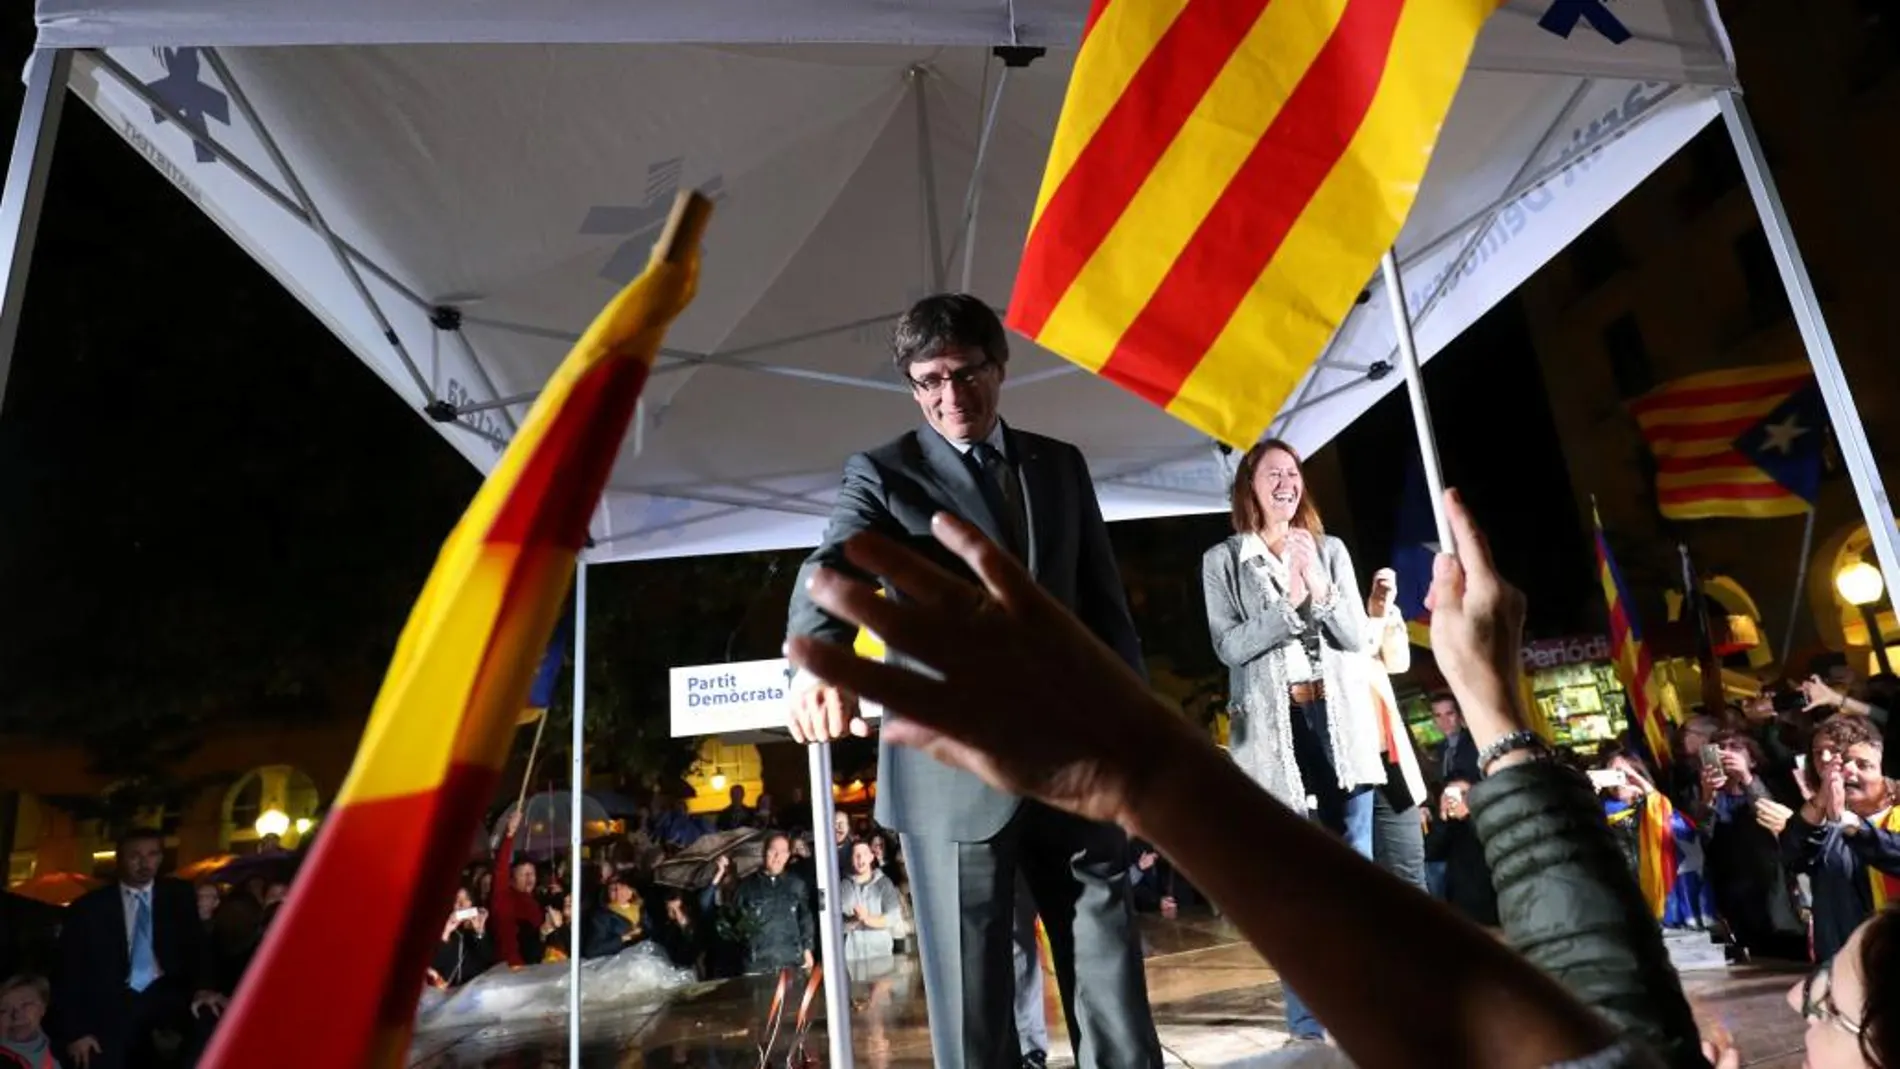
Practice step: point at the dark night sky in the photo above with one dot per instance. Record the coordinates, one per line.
(198, 482)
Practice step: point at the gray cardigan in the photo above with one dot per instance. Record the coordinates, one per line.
(1249, 622)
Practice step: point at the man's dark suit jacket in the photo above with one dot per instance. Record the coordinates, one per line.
(895, 489)
(1464, 760)
(96, 955)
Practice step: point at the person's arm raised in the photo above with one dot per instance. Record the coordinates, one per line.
(1105, 747)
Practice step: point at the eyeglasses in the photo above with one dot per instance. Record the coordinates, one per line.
(1817, 1001)
(964, 377)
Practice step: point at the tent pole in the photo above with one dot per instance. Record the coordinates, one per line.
(317, 223)
(578, 771)
(1415, 389)
(243, 170)
(1875, 506)
(27, 170)
(830, 921)
(975, 193)
(927, 179)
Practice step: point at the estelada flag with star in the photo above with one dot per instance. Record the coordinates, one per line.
(1224, 178)
(1742, 442)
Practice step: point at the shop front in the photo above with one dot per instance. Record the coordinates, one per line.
(1574, 684)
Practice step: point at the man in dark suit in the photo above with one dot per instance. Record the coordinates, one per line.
(964, 842)
(1456, 758)
(133, 960)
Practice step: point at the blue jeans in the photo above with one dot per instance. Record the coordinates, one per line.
(1347, 814)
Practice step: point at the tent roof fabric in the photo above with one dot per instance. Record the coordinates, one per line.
(455, 211)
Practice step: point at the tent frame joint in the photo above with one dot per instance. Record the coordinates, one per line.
(1018, 56)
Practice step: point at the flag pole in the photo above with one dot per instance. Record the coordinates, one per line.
(1800, 581)
(1415, 389)
(837, 979)
(578, 770)
(1714, 697)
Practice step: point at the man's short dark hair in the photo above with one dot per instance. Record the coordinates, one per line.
(775, 836)
(139, 835)
(947, 321)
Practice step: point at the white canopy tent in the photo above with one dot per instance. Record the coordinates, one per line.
(455, 213)
(454, 189)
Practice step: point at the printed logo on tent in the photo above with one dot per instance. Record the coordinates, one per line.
(1564, 15)
(191, 96)
(640, 223)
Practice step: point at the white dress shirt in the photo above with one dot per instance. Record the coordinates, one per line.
(1299, 667)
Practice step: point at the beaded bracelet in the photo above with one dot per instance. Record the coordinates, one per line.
(1517, 740)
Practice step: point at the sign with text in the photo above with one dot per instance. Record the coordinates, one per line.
(1559, 652)
(719, 699)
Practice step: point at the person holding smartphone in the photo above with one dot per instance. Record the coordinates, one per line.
(465, 951)
(1752, 888)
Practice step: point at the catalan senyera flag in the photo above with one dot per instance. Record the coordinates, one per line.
(337, 979)
(1886, 884)
(1742, 442)
(1224, 178)
(1633, 663)
(1658, 862)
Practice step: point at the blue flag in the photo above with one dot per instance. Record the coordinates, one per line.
(1789, 442)
(541, 693)
(1414, 546)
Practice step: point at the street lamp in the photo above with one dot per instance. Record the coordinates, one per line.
(1860, 585)
(272, 822)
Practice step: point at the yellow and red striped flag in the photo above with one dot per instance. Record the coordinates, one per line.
(1225, 176)
(1741, 442)
(337, 980)
(1634, 666)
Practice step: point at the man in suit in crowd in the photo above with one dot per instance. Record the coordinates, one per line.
(134, 960)
(964, 842)
(1456, 758)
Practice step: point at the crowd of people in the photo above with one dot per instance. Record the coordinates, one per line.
(1014, 697)
(1029, 778)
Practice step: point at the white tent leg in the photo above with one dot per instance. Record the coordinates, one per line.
(830, 921)
(1875, 507)
(578, 772)
(27, 170)
(1415, 388)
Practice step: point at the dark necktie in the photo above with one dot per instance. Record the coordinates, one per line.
(1003, 495)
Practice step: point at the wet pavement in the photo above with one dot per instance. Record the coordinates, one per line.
(1216, 1003)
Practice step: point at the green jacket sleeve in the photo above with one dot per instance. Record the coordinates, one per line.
(1567, 901)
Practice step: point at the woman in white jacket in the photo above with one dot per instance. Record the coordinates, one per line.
(1398, 830)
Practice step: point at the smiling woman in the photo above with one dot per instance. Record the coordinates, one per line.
(1284, 610)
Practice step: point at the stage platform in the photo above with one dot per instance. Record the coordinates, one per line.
(1216, 1003)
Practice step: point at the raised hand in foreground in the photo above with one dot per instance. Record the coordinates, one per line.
(1026, 698)
(1022, 695)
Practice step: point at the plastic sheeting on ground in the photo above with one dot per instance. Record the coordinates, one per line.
(640, 975)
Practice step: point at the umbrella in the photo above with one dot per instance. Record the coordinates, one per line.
(546, 819)
(56, 888)
(616, 804)
(204, 866)
(692, 868)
